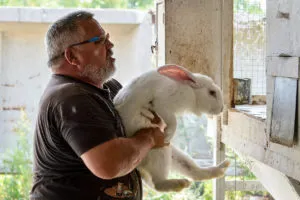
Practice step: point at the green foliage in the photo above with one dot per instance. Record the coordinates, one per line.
(140, 3)
(249, 6)
(238, 163)
(241, 194)
(189, 128)
(207, 191)
(131, 4)
(16, 183)
(247, 175)
(197, 191)
(104, 4)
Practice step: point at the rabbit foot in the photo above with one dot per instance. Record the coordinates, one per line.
(172, 185)
(219, 170)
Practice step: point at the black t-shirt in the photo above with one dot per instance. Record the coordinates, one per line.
(74, 117)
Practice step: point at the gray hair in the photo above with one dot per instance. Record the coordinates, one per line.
(64, 32)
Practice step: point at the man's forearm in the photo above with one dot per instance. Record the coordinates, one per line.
(119, 156)
(131, 152)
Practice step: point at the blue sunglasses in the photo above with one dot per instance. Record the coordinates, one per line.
(100, 39)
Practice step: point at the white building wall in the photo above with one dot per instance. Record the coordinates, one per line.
(23, 61)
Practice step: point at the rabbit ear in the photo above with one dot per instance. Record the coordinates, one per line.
(178, 73)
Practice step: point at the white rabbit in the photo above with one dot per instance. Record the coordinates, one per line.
(169, 90)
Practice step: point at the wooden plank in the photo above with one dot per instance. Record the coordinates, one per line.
(297, 137)
(296, 184)
(283, 66)
(277, 183)
(257, 111)
(286, 163)
(284, 111)
(282, 31)
(270, 92)
(251, 185)
(247, 135)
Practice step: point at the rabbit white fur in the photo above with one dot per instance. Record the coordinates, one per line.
(170, 90)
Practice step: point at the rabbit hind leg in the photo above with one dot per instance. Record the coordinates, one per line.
(161, 184)
(158, 164)
(146, 177)
(185, 165)
(171, 185)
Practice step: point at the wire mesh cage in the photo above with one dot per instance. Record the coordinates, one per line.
(250, 44)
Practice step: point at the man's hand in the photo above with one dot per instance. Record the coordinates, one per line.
(157, 136)
(156, 133)
(158, 121)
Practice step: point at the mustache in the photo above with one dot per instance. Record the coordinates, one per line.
(110, 53)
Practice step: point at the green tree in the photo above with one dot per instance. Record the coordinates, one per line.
(68, 4)
(139, 3)
(249, 6)
(132, 4)
(17, 163)
(104, 4)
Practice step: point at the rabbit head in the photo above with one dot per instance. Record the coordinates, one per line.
(209, 98)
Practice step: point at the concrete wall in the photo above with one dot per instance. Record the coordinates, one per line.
(23, 69)
(193, 35)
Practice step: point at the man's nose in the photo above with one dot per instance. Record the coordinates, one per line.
(109, 44)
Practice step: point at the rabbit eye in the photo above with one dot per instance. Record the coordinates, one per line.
(151, 103)
(213, 93)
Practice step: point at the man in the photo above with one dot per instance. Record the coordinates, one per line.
(80, 150)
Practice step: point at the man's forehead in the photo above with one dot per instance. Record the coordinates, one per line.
(92, 26)
(97, 24)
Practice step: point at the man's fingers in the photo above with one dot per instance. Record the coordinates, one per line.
(156, 119)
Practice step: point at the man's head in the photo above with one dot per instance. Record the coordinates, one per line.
(78, 46)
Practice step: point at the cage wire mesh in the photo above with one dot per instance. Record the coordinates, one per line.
(250, 43)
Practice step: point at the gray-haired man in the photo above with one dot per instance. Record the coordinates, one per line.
(80, 149)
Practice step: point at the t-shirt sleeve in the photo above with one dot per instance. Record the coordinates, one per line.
(85, 122)
(114, 87)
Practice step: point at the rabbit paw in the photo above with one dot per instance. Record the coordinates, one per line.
(219, 170)
(175, 185)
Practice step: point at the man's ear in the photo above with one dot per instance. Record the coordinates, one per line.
(70, 56)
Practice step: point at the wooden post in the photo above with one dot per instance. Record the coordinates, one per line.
(198, 36)
(1, 50)
(227, 57)
(219, 156)
(160, 33)
(192, 32)
(226, 76)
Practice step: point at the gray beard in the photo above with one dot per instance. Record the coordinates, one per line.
(99, 75)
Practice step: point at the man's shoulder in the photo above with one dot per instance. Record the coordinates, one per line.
(58, 91)
(64, 91)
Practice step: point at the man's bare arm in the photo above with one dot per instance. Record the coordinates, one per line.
(120, 156)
